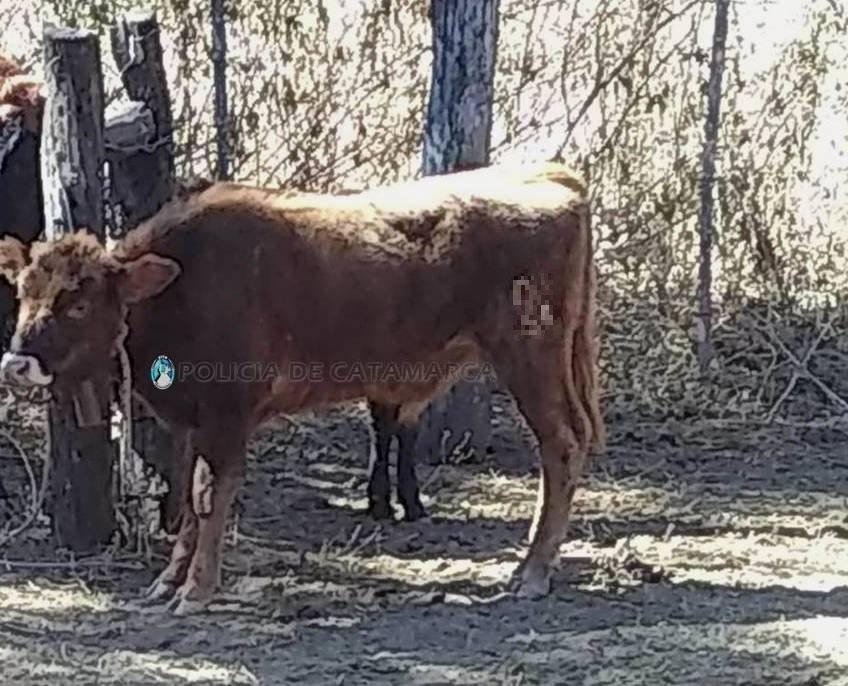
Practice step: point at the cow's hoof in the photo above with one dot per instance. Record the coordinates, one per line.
(187, 606)
(414, 512)
(160, 590)
(533, 589)
(531, 582)
(381, 510)
(189, 600)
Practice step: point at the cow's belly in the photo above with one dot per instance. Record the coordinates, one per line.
(409, 382)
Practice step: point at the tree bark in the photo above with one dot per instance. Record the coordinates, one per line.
(219, 71)
(705, 214)
(71, 172)
(457, 136)
(458, 127)
(141, 161)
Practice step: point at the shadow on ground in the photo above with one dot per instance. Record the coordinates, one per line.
(691, 561)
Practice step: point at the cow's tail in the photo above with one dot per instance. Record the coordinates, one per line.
(580, 343)
(585, 393)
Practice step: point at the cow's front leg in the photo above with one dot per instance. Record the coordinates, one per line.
(175, 573)
(212, 493)
(180, 510)
(177, 503)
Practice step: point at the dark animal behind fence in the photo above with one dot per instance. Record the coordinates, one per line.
(21, 215)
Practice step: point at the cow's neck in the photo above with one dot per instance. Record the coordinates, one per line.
(139, 341)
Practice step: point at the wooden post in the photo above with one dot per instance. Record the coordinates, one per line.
(71, 171)
(139, 143)
(456, 136)
(140, 151)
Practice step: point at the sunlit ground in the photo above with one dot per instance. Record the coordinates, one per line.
(677, 571)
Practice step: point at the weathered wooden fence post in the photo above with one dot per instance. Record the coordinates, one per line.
(139, 149)
(456, 136)
(141, 156)
(71, 170)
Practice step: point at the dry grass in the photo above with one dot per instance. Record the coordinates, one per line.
(699, 554)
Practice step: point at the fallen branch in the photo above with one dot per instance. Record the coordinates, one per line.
(802, 369)
(71, 564)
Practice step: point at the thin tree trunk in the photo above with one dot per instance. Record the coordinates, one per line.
(458, 127)
(705, 215)
(457, 136)
(219, 67)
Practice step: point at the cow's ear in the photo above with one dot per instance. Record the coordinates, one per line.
(13, 258)
(145, 277)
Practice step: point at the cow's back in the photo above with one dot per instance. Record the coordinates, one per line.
(369, 277)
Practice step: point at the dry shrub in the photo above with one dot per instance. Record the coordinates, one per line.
(332, 94)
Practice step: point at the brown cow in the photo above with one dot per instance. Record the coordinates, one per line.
(492, 265)
(20, 94)
(8, 67)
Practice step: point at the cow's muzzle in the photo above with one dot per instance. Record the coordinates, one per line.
(24, 370)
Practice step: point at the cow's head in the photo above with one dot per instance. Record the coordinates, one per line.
(73, 301)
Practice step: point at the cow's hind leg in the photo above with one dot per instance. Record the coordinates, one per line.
(407, 481)
(533, 371)
(214, 485)
(383, 419)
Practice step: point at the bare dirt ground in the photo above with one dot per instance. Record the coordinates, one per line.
(698, 555)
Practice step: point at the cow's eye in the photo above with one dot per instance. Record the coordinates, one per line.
(78, 310)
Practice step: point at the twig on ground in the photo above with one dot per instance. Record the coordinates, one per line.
(71, 564)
